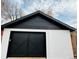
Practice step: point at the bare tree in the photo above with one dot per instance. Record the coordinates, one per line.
(9, 10)
(5, 9)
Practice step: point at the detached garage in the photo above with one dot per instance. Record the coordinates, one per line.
(37, 36)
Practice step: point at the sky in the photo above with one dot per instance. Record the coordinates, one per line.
(63, 10)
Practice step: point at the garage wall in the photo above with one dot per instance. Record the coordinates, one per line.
(59, 45)
(54, 34)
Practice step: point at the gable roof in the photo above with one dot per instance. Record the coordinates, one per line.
(43, 14)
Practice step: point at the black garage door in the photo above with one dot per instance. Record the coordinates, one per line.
(27, 44)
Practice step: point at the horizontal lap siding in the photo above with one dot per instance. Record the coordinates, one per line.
(36, 23)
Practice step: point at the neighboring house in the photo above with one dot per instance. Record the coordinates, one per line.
(37, 36)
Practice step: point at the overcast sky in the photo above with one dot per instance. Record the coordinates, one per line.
(63, 10)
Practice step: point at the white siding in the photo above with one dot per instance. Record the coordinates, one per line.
(58, 43)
